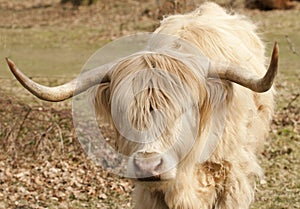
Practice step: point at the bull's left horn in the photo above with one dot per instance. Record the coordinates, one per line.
(62, 92)
(244, 77)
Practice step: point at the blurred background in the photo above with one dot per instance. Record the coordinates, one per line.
(42, 164)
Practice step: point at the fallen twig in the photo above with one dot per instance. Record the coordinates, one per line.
(292, 100)
(61, 138)
(14, 132)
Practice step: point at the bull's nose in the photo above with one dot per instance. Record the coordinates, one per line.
(148, 166)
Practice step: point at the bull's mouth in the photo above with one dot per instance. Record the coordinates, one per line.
(150, 179)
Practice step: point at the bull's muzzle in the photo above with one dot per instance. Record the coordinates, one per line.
(148, 166)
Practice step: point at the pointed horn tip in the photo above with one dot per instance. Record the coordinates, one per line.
(275, 50)
(275, 54)
(10, 63)
(8, 60)
(272, 70)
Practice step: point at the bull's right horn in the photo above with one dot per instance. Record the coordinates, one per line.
(65, 91)
(245, 77)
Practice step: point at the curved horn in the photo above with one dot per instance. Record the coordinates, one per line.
(245, 78)
(65, 91)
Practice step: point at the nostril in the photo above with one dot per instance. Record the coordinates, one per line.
(159, 165)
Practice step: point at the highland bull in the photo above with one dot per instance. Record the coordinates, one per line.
(230, 99)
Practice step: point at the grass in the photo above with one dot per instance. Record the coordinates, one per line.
(47, 51)
(53, 54)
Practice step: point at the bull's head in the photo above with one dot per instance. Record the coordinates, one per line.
(156, 99)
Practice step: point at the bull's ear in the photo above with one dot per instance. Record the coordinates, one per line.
(101, 101)
(219, 94)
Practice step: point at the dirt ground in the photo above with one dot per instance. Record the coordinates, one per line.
(42, 164)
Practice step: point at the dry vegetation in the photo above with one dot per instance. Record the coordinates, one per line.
(42, 165)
